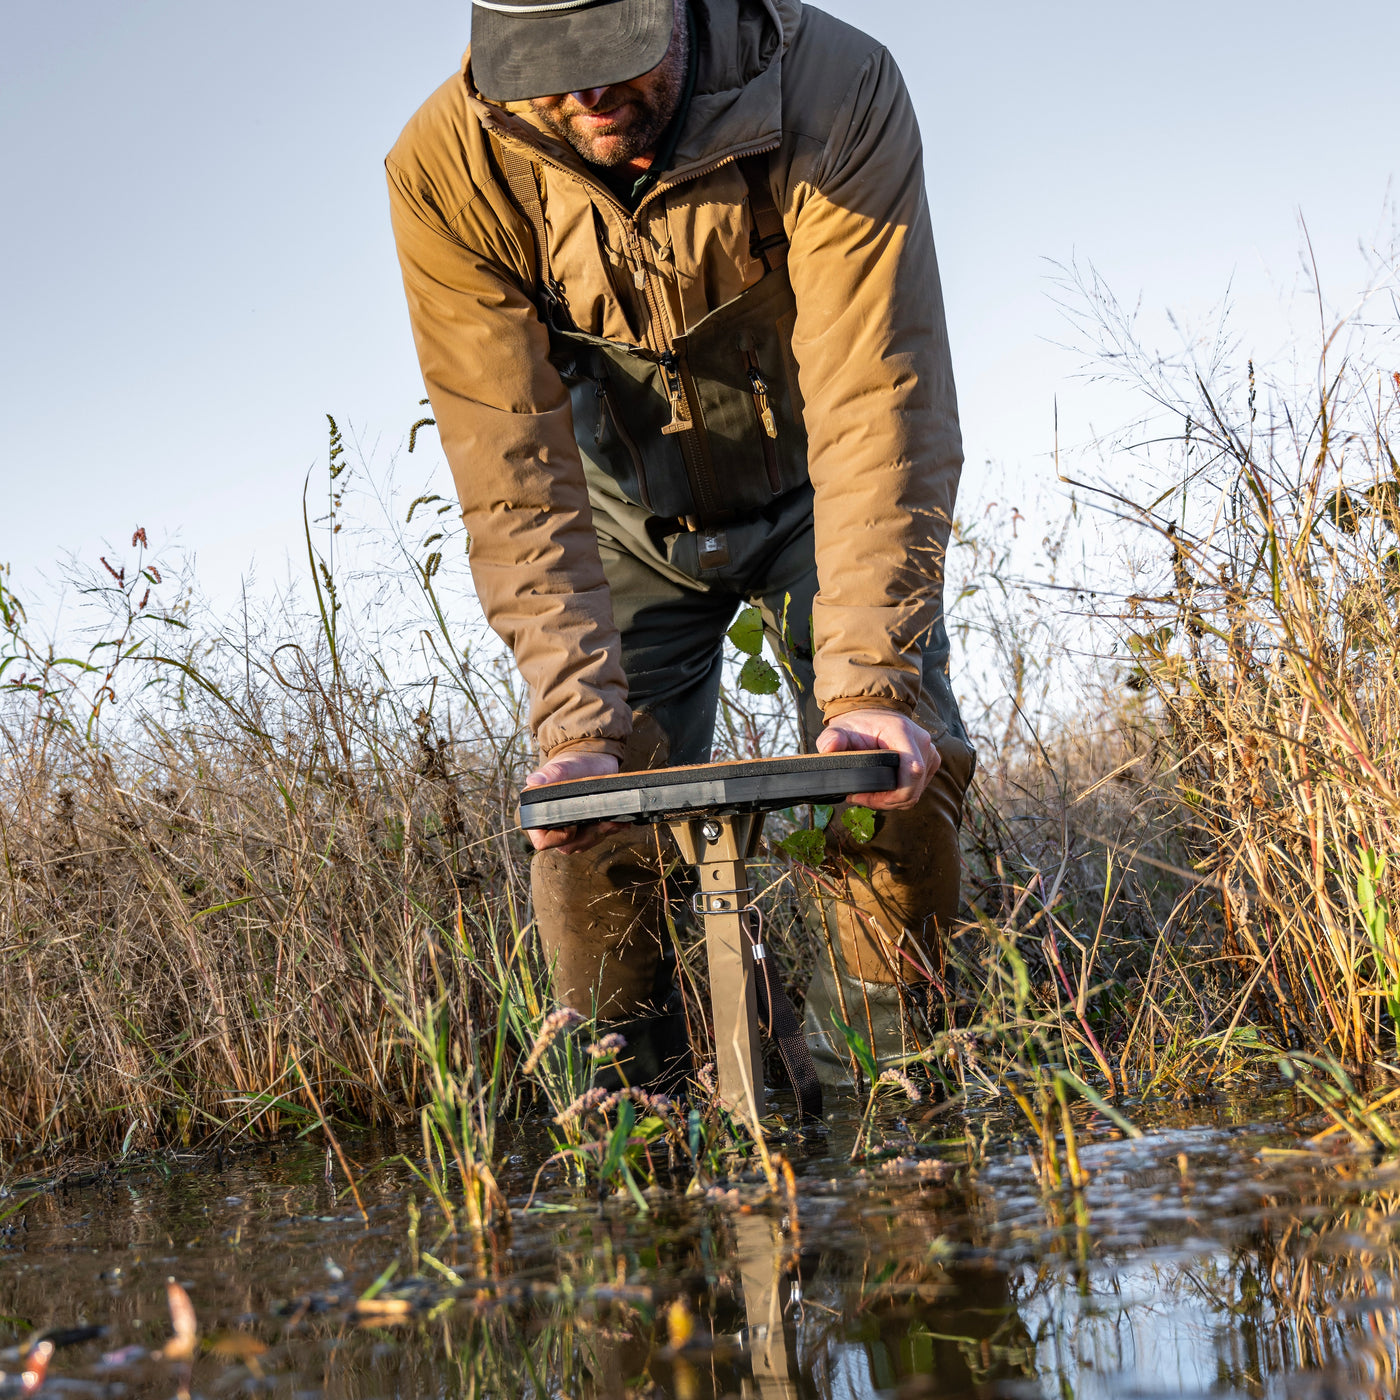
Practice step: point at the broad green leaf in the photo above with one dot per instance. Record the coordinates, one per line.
(617, 1143)
(747, 632)
(807, 846)
(860, 1048)
(758, 677)
(860, 822)
(821, 816)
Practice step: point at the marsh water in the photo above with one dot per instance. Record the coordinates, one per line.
(1220, 1254)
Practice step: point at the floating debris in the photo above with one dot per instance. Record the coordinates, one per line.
(181, 1346)
(36, 1367)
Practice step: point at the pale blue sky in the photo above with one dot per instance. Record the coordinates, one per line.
(195, 259)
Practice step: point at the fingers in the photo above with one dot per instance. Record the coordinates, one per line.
(570, 840)
(838, 739)
(572, 765)
(568, 766)
(590, 836)
(549, 840)
(911, 772)
(864, 730)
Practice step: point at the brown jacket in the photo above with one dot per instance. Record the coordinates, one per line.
(846, 170)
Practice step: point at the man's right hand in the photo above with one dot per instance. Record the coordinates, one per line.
(570, 839)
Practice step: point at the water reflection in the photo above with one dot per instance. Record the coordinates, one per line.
(1206, 1261)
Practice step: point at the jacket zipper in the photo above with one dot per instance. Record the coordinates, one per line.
(698, 467)
(607, 407)
(675, 392)
(766, 420)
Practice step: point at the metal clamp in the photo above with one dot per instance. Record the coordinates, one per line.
(697, 901)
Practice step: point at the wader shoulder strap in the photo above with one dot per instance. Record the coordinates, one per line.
(522, 178)
(767, 238)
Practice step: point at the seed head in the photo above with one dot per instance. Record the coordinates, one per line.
(585, 1104)
(554, 1025)
(893, 1076)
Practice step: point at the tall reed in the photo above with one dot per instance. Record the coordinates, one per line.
(1267, 639)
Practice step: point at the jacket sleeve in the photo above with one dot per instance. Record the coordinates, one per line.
(505, 422)
(871, 345)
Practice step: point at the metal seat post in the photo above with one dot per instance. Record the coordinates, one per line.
(719, 847)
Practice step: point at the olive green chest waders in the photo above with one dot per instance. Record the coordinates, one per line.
(710, 429)
(696, 457)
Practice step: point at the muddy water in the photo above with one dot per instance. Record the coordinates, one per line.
(1212, 1257)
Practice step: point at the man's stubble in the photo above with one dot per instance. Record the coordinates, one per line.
(651, 101)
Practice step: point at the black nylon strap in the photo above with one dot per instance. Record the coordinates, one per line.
(778, 1017)
(768, 239)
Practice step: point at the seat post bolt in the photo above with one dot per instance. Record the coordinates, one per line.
(710, 831)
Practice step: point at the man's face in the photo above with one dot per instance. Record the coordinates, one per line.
(621, 123)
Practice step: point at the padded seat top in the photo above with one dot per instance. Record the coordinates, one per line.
(753, 785)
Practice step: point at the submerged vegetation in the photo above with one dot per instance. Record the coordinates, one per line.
(261, 877)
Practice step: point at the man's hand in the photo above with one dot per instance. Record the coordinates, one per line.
(885, 729)
(570, 839)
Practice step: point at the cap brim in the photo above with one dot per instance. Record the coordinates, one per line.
(519, 56)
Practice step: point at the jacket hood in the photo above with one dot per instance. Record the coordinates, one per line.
(737, 106)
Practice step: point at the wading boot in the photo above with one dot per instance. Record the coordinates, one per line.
(657, 1057)
(873, 1009)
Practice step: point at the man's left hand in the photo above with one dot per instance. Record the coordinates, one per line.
(885, 729)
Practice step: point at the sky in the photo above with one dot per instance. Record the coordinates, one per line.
(196, 264)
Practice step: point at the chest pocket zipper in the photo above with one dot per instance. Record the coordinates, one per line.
(607, 409)
(763, 407)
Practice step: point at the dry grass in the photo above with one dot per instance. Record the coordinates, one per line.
(238, 887)
(251, 881)
(1268, 644)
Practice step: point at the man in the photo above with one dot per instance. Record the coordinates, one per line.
(672, 282)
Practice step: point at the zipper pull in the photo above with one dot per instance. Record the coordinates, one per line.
(675, 391)
(600, 392)
(765, 411)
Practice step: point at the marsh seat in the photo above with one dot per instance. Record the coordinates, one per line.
(715, 813)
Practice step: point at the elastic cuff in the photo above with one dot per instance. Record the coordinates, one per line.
(833, 709)
(608, 746)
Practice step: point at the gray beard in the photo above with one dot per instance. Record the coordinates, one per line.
(637, 142)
